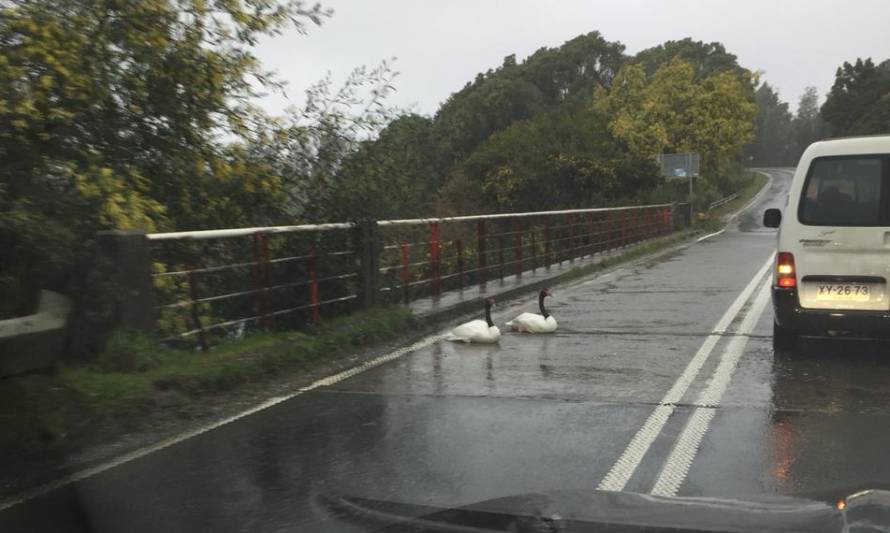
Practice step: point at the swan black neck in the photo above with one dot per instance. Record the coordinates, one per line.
(488, 313)
(541, 297)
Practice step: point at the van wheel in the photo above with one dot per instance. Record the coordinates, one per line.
(784, 339)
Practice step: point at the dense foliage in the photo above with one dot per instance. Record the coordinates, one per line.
(119, 115)
(858, 104)
(859, 101)
(553, 131)
(780, 136)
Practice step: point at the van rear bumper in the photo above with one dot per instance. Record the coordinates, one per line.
(789, 314)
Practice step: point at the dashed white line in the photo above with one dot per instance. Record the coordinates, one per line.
(630, 459)
(142, 452)
(677, 465)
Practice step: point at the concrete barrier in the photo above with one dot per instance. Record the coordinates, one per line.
(35, 341)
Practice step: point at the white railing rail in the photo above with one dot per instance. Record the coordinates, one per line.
(241, 232)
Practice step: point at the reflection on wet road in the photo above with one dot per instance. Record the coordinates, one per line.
(626, 376)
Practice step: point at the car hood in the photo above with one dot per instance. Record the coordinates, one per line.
(589, 511)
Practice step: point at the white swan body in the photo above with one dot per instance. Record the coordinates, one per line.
(477, 331)
(533, 322)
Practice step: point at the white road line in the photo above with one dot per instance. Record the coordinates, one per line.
(709, 235)
(630, 459)
(142, 452)
(680, 460)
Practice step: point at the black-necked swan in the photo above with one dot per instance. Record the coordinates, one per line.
(533, 322)
(478, 331)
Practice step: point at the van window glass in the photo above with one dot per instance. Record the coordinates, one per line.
(843, 192)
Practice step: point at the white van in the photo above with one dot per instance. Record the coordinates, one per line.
(833, 261)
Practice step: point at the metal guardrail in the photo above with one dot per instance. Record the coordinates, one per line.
(723, 201)
(211, 282)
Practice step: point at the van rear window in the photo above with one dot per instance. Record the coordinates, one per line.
(845, 191)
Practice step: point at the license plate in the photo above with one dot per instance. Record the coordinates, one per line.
(843, 292)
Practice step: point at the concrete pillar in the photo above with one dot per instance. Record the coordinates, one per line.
(125, 261)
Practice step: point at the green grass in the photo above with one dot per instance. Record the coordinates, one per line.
(137, 379)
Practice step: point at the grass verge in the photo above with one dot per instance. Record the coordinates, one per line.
(136, 380)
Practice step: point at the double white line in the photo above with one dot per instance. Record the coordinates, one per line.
(677, 465)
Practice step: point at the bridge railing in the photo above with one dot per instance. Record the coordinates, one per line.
(216, 283)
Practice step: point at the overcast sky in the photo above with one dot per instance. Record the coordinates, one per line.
(440, 45)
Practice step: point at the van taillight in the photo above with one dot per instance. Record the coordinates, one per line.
(785, 275)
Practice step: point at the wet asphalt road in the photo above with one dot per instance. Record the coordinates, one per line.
(451, 424)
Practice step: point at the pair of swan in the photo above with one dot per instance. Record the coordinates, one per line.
(485, 332)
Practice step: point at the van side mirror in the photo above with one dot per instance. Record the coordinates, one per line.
(772, 218)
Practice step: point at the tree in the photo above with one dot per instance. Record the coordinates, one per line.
(112, 115)
(705, 58)
(390, 176)
(575, 68)
(773, 142)
(859, 100)
(316, 148)
(672, 111)
(808, 125)
(560, 158)
(548, 78)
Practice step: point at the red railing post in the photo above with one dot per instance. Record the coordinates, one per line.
(626, 227)
(547, 243)
(636, 221)
(590, 234)
(196, 318)
(573, 239)
(607, 230)
(665, 220)
(406, 276)
(570, 236)
(460, 263)
(313, 285)
(633, 225)
(434, 256)
(594, 234)
(517, 246)
(641, 224)
(481, 251)
(534, 250)
(501, 257)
